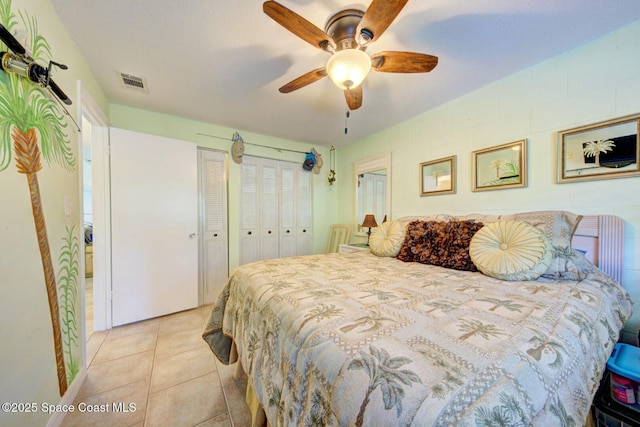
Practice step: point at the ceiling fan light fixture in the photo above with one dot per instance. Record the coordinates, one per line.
(348, 68)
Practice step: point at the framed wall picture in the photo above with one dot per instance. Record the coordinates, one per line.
(604, 150)
(438, 176)
(500, 167)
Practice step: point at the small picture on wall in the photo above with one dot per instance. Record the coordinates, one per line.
(603, 150)
(500, 167)
(438, 176)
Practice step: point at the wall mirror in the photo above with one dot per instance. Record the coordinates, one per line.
(373, 189)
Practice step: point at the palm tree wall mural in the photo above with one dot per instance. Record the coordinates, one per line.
(32, 128)
(68, 286)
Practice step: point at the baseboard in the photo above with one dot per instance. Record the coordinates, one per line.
(68, 398)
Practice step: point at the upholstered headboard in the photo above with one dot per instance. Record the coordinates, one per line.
(601, 239)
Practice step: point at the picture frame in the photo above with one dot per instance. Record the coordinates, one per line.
(438, 176)
(500, 167)
(603, 150)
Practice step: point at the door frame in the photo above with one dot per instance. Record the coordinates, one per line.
(89, 110)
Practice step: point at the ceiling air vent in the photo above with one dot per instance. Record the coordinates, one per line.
(133, 82)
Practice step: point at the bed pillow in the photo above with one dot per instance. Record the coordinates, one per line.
(387, 238)
(445, 244)
(558, 226)
(511, 250)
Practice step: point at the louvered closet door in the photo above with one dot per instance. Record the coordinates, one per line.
(288, 230)
(304, 238)
(275, 209)
(249, 211)
(214, 264)
(268, 203)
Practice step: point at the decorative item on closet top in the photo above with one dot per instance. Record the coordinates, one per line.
(237, 150)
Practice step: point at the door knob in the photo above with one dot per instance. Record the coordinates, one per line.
(192, 235)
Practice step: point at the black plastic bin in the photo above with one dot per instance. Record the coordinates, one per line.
(608, 412)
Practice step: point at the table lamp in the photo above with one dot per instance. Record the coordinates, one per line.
(369, 222)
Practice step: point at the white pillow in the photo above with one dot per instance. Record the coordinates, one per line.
(387, 238)
(511, 250)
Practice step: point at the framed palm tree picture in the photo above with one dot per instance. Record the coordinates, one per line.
(604, 150)
(500, 167)
(438, 176)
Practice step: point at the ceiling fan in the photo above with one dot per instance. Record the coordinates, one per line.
(347, 35)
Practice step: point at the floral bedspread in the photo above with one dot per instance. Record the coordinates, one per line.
(355, 339)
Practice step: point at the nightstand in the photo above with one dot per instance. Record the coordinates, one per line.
(352, 247)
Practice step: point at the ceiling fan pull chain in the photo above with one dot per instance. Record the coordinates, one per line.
(346, 118)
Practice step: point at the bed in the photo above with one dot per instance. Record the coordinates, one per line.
(389, 337)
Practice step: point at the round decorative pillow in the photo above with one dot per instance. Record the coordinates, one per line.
(387, 238)
(511, 250)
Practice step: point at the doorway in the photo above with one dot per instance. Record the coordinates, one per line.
(88, 225)
(94, 190)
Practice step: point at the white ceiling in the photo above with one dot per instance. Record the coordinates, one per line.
(223, 61)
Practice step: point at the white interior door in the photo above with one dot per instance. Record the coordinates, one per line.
(154, 208)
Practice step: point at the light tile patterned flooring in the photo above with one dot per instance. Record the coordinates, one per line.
(164, 367)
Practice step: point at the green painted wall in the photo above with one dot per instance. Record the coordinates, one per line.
(27, 360)
(324, 195)
(595, 82)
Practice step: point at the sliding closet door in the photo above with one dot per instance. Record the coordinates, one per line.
(154, 202)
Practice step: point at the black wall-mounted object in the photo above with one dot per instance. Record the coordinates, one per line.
(20, 63)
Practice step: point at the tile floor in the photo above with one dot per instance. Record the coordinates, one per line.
(164, 367)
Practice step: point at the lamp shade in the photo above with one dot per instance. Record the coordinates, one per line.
(369, 221)
(348, 68)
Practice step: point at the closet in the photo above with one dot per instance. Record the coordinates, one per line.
(275, 209)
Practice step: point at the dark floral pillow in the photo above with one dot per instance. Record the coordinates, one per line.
(445, 244)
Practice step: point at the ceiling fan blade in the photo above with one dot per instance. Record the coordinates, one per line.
(403, 62)
(304, 80)
(354, 97)
(379, 16)
(297, 25)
